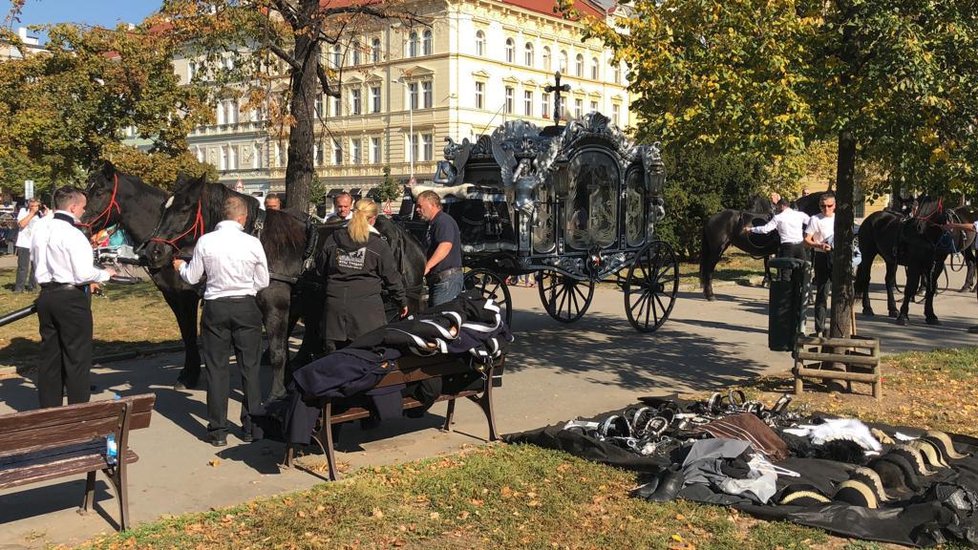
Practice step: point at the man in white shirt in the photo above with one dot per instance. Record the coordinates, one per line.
(790, 225)
(27, 218)
(237, 270)
(342, 208)
(819, 236)
(65, 269)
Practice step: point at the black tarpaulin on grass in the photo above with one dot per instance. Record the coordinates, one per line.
(921, 520)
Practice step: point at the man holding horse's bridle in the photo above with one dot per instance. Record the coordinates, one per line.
(790, 225)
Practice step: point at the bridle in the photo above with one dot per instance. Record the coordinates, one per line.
(197, 228)
(107, 212)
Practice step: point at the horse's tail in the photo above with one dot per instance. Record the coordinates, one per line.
(704, 251)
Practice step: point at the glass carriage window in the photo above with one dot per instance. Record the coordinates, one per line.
(635, 207)
(591, 205)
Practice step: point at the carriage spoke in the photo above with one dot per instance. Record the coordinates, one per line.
(651, 286)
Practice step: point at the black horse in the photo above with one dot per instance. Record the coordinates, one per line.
(117, 198)
(918, 242)
(726, 228)
(195, 208)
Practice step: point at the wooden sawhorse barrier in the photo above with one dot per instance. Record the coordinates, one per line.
(859, 356)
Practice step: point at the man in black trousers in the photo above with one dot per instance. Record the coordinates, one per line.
(236, 269)
(65, 269)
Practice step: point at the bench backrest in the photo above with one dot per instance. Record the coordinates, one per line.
(42, 429)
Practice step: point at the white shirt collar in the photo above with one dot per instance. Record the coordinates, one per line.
(230, 224)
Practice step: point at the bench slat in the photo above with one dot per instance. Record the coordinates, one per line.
(62, 466)
(58, 426)
(356, 413)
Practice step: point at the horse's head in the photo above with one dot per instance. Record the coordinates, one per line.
(929, 217)
(182, 222)
(761, 206)
(103, 207)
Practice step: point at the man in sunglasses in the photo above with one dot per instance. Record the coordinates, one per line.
(819, 236)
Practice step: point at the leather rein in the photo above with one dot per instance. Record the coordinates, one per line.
(107, 212)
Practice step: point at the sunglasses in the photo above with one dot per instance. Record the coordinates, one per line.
(827, 205)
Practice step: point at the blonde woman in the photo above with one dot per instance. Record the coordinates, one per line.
(357, 265)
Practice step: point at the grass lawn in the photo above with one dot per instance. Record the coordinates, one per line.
(127, 318)
(525, 497)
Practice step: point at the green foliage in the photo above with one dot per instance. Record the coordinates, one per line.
(63, 111)
(390, 189)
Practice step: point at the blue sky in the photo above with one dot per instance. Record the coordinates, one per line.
(92, 12)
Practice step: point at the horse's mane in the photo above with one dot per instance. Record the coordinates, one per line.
(282, 229)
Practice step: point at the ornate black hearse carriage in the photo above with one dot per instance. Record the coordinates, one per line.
(574, 204)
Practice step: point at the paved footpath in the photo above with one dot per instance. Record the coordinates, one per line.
(554, 372)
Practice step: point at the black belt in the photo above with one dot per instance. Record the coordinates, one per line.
(54, 286)
(443, 274)
(232, 298)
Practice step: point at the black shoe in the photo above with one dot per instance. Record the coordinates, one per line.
(247, 437)
(670, 482)
(218, 440)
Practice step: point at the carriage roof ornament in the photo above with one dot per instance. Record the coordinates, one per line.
(558, 99)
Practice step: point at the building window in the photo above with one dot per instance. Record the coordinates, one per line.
(480, 95)
(355, 151)
(528, 103)
(594, 106)
(510, 51)
(223, 160)
(356, 53)
(509, 100)
(375, 150)
(413, 94)
(426, 46)
(337, 152)
(579, 65)
(616, 72)
(426, 91)
(562, 62)
(256, 156)
(616, 114)
(355, 103)
(337, 107)
(277, 158)
(191, 70)
(375, 50)
(427, 147)
(578, 108)
(545, 105)
(528, 54)
(480, 43)
(546, 58)
(318, 106)
(375, 99)
(413, 44)
(594, 68)
(337, 56)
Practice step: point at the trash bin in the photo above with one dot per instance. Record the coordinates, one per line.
(790, 282)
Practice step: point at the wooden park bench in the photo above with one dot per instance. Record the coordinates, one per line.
(409, 370)
(67, 441)
(821, 358)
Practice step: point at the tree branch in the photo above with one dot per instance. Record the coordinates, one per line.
(287, 13)
(284, 56)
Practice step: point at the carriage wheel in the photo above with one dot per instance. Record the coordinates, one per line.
(492, 286)
(651, 286)
(565, 298)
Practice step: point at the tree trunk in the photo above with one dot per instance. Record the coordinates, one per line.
(842, 292)
(305, 87)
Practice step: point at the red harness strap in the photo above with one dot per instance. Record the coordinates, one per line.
(197, 228)
(107, 213)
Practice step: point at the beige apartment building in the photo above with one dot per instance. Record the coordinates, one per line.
(405, 89)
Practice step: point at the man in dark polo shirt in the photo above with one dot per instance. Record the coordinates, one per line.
(443, 243)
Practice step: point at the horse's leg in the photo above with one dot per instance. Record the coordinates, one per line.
(913, 283)
(274, 303)
(709, 256)
(308, 304)
(934, 275)
(969, 262)
(184, 304)
(890, 278)
(862, 281)
(766, 281)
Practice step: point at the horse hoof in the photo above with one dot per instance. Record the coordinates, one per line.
(933, 321)
(903, 320)
(868, 313)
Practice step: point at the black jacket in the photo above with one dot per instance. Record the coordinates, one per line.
(355, 274)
